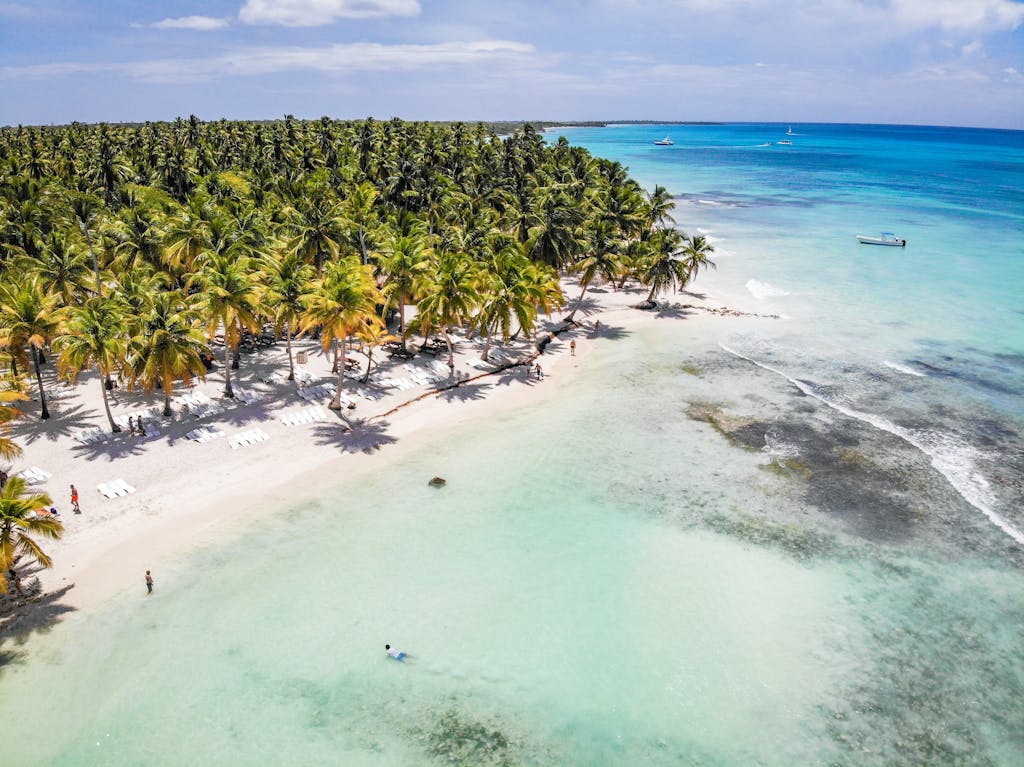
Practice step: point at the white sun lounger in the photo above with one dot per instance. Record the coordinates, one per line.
(33, 475)
(115, 488)
(91, 435)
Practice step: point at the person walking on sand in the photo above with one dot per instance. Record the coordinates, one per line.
(540, 372)
(74, 500)
(149, 583)
(572, 348)
(131, 425)
(141, 429)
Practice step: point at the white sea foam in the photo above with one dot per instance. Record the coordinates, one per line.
(951, 456)
(762, 290)
(776, 448)
(903, 369)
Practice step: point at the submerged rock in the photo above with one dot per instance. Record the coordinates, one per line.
(438, 482)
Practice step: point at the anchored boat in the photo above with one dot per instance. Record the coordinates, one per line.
(887, 238)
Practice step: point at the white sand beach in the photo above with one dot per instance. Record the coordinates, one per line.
(189, 493)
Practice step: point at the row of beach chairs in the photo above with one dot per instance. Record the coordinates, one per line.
(114, 489)
(204, 434)
(91, 435)
(33, 475)
(311, 414)
(247, 438)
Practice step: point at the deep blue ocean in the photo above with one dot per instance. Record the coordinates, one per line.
(926, 341)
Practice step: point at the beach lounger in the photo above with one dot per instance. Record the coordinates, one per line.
(105, 490)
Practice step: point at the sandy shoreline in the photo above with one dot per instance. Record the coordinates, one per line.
(191, 495)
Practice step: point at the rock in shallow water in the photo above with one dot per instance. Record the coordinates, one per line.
(438, 482)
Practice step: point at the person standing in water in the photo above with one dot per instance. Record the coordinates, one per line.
(149, 583)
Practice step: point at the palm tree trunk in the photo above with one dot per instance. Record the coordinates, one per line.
(401, 313)
(106, 403)
(228, 391)
(451, 351)
(44, 413)
(288, 343)
(167, 401)
(487, 347)
(95, 261)
(336, 401)
(369, 362)
(578, 302)
(650, 296)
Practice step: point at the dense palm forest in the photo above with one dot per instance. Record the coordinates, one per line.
(139, 250)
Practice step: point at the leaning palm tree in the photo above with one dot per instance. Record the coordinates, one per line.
(696, 250)
(18, 523)
(169, 348)
(30, 317)
(228, 300)
(95, 336)
(286, 279)
(343, 302)
(604, 259)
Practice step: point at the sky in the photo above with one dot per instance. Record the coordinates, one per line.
(935, 62)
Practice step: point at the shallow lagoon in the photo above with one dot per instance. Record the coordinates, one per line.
(604, 580)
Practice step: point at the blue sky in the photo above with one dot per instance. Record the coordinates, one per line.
(948, 62)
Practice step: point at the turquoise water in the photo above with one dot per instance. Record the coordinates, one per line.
(735, 542)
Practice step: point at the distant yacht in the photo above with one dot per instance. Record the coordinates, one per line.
(785, 143)
(790, 131)
(664, 142)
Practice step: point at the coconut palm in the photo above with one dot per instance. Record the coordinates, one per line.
(404, 264)
(169, 349)
(511, 287)
(30, 317)
(450, 297)
(86, 212)
(696, 250)
(603, 259)
(18, 523)
(663, 266)
(341, 303)
(60, 267)
(9, 449)
(286, 279)
(229, 299)
(320, 228)
(95, 336)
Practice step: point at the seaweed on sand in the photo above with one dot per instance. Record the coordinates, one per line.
(458, 740)
(799, 542)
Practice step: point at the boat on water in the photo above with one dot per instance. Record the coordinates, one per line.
(887, 238)
(664, 142)
(790, 131)
(785, 143)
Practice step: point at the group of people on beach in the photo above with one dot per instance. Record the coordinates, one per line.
(136, 427)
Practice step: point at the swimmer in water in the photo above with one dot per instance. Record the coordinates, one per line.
(395, 653)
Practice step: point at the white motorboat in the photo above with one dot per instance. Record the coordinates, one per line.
(887, 238)
(785, 143)
(664, 142)
(790, 131)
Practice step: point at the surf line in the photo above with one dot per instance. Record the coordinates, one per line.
(976, 493)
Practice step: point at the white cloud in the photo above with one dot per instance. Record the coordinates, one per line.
(972, 47)
(338, 59)
(315, 13)
(197, 23)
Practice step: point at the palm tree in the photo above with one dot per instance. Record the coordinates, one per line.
(228, 300)
(60, 267)
(86, 212)
(18, 521)
(660, 207)
(604, 260)
(169, 349)
(343, 302)
(95, 336)
(9, 449)
(511, 287)
(663, 267)
(450, 296)
(696, 250)
(404, 265)
(29, 317)
(319, 226)
(286, 280)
